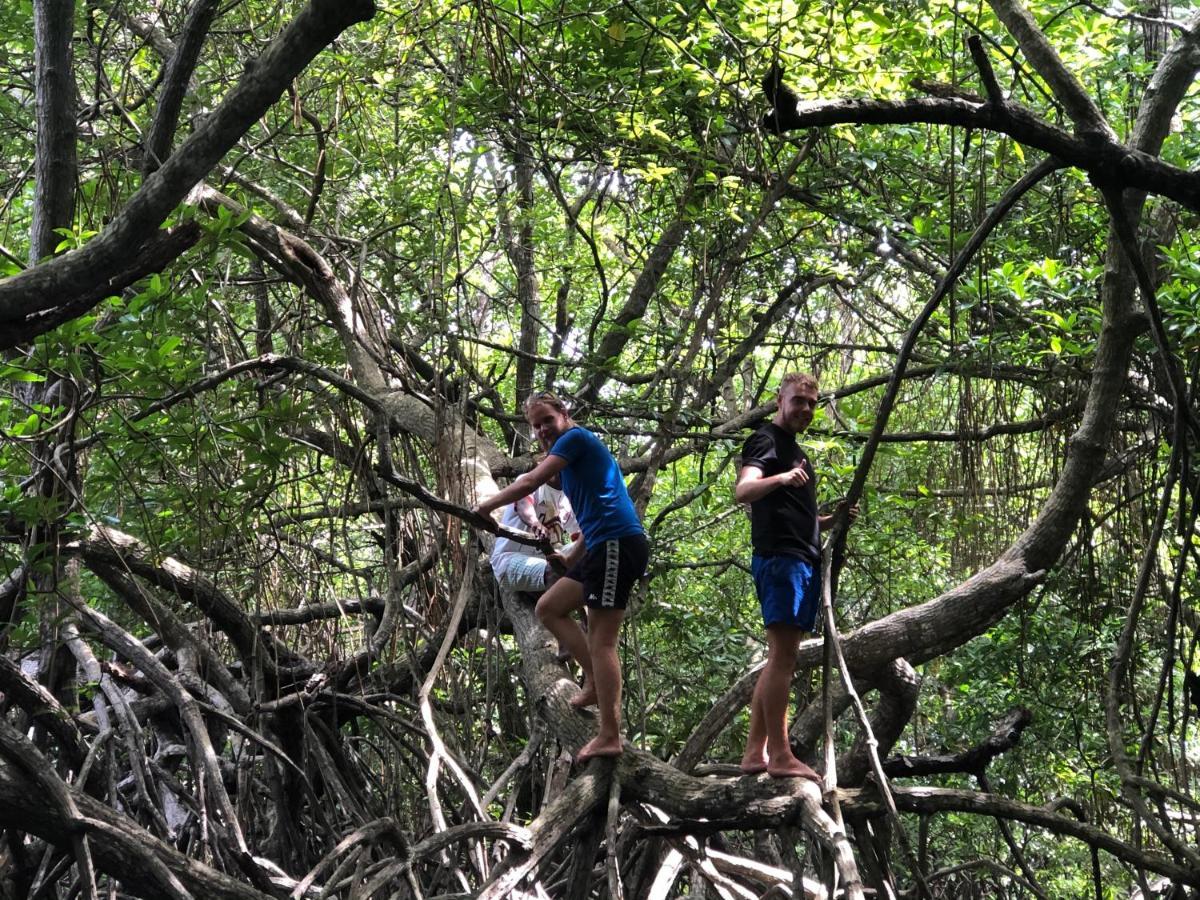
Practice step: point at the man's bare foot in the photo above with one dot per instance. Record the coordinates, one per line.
(598, 747)
(753, 763)
(585, 697)
(790, 767)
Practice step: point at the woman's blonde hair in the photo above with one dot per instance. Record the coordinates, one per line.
(549, 398)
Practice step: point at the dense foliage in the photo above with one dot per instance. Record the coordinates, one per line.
(227, 462)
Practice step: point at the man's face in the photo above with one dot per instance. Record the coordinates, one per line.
(797, 403)
(547, 423)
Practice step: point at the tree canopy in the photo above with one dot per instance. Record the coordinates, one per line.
(277, 280)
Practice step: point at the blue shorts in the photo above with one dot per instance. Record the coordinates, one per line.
(789, 590)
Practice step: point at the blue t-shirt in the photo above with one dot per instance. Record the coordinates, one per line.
(593, 483)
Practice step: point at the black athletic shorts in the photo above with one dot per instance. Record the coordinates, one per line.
(608, 571)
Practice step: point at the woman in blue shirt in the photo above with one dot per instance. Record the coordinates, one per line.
(601, 569)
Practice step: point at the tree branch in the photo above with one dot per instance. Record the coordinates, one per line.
(1042, 56)
(54, 155)
(1002, 739)
(37, 299)
(177, 74)
(1104, 159)
(122, 848)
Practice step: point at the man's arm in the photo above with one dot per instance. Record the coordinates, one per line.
(527, 514)
(753, 485)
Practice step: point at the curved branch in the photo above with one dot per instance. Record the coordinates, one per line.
(1002, 739)
(898, 687)
(43, 707)
(1105, 160)
(175, 634)
(203, 754)
(109, 547)
(119, 846)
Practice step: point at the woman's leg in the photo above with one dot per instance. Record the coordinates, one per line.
(554, 609)
(604, 630)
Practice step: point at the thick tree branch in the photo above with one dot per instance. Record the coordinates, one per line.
(110, 547)
(120, 847)
(66, 300)
(174, 633)
(619, 332)
(520, 250)
(31, 302)
(361, 334)
(43, 708)
(1106, 160)
(54, 160)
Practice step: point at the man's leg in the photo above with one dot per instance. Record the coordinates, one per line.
(564, 655)
(754, 760)
(778, 668)
(604, 629)
(769, 708)
(776, 689)
(554, 609)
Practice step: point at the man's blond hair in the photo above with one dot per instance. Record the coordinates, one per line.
(797, 380)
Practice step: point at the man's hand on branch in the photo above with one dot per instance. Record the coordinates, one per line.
(827, 521)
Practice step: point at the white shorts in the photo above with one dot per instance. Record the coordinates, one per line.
(519, 572)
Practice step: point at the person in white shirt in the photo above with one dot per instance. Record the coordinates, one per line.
(546, 513)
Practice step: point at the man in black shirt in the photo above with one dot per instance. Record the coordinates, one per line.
(778, 481)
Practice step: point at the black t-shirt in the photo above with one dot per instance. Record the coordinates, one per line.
(784, 522)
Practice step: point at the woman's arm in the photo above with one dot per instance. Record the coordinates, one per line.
(523, 485)
(572, 556)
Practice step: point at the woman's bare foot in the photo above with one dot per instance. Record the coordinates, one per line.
(753, 763)
(790, 767)
(598, 746)
(585, 697)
